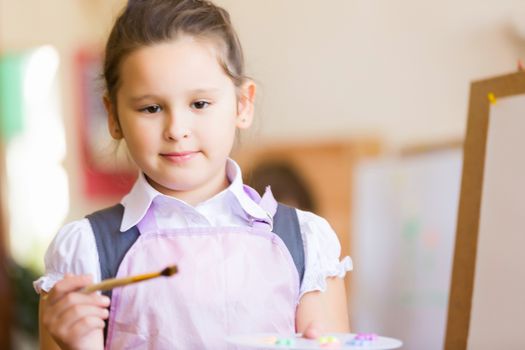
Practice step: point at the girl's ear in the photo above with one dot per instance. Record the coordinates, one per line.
(245, 105)
(113, 124)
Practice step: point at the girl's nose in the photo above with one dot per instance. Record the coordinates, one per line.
(177, 128)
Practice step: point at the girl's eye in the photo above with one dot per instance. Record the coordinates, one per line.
(200, 104)
(151, 109)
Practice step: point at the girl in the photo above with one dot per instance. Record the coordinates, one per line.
(176, 94)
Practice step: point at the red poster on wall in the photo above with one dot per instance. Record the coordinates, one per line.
(107, 170)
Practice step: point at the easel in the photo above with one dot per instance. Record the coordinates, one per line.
(482, 95)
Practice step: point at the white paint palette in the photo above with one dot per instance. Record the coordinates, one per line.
(342, 341)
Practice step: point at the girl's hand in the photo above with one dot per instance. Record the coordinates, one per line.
(75, 320)
(313, 331)
(321, 312)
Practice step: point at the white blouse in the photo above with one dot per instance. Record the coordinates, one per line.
(74, 250)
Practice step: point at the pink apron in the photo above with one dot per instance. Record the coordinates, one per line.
(231, 280)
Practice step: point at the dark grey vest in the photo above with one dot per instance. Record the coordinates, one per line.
(112, 245)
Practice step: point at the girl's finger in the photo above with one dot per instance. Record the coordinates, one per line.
(67, 285)
(74, 299)
(86, 325)
(63, 324)
(313, 330)
(76, 331)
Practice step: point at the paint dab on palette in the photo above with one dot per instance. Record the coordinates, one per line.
(342, 341)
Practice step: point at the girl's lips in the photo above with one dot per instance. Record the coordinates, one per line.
(179, 157)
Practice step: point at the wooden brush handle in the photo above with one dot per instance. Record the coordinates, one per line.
(111, 283)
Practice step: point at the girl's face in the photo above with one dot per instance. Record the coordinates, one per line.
(178, 112)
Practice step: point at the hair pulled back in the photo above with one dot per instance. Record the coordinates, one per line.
(148, 22)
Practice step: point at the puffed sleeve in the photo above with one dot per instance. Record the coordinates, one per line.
(322, 251)
(73, 250)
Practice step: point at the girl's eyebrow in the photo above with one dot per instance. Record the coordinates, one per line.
(205, 90)
(190, 92)
(142, 97)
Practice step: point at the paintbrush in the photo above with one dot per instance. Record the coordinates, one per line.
(111, 283)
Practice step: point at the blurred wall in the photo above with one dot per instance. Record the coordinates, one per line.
(400, 69)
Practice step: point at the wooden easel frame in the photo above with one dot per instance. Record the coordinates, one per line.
(464, 264)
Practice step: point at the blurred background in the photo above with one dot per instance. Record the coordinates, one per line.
(361, 103)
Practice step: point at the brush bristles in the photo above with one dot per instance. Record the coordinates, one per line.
(168, 271)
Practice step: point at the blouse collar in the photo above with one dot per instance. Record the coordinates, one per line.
(137, 202)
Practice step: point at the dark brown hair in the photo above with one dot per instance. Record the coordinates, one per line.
(148, 22)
